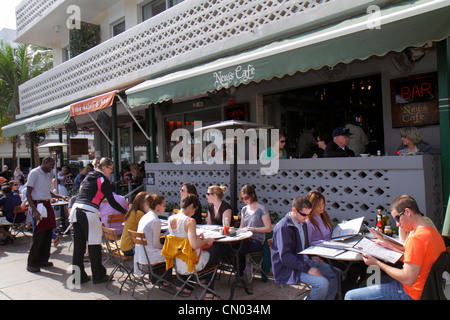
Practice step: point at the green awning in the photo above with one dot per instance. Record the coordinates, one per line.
(39, 122)
(409, 23)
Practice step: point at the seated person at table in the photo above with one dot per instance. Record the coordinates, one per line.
(218, 210)
(190, 188)
(182, 225)
(319, 223)
(150, 225)
(412, 142)
(320, 228)
(137, 210)
(277, 150)
(8, 201)
(106, 210)
(338, 147)
(422, 249)
(289, 238)
(256, 219)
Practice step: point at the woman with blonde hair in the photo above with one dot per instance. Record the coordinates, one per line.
(413, 143)
(319, 223)
(218, 210)
(136, 211)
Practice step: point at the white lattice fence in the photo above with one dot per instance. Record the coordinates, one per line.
(352, 187)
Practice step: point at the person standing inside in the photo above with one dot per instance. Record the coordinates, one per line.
(87, 225)
(358, 141)
(39, 195)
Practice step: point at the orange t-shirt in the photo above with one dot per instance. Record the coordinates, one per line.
(422, 248)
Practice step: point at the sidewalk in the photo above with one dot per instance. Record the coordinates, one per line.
(16, 283)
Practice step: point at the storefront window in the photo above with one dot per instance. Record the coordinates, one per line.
(125, 146)
(171, 124)
(140, 144)
(327, 106)
(186, 120)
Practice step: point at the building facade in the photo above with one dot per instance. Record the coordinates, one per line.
(287, 64)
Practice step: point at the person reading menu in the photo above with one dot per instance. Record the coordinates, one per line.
(421, 250)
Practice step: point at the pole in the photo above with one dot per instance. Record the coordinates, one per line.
(115, 139)
(443, 63)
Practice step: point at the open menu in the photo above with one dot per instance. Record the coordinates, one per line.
(383, 237)
(375, 250)
(360, 245)
(347, 229)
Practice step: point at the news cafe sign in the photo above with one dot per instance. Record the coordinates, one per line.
(414, 101)
(234, 76)
(92, 104)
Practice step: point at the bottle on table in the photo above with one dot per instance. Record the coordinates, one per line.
(380, 226)
(226, 227)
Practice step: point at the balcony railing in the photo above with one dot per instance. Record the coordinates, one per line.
(190, 33)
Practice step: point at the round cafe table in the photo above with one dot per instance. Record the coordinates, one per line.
(236, 245)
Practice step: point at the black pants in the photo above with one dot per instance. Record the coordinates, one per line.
(81, 231)
(40, 248)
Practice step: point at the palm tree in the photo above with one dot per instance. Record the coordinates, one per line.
(16, 67)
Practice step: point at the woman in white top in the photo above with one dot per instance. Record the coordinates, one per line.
(182, 225)
(150, 225)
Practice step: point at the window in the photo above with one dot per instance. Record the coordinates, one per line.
(118, 27)
(155, 7)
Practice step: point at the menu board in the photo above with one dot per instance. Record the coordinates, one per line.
(414, 100)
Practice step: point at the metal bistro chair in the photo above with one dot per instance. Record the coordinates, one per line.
(195, 277)
(138, 238)
(116, 218)
(120, 261)
(19, 227)
(253, 262)
(299, 291)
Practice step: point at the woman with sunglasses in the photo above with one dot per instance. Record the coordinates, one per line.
(218, 210)
(277, 150)
(256, 218)
(87, 226)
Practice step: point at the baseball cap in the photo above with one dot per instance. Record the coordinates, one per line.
(341, 131)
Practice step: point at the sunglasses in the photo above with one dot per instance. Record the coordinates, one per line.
(397, 217)
(283, 141)
(302, 214)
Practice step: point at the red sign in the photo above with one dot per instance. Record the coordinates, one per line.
(92, 104)
(414, 101)
(236, 112)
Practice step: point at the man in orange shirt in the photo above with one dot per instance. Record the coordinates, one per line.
(422, 248)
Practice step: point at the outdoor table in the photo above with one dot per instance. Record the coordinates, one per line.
(348, 257)
(63, 215)
(235, 244)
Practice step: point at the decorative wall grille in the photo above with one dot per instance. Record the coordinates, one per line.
(352, 187)
(190, 33)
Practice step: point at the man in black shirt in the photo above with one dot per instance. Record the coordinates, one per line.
(338, 147)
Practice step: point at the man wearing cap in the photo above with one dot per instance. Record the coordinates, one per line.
(338, 147)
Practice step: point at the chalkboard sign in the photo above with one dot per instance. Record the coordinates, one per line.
(236, 112)
(414, 101)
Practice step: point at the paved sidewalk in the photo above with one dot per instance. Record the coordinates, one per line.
(16, 283)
